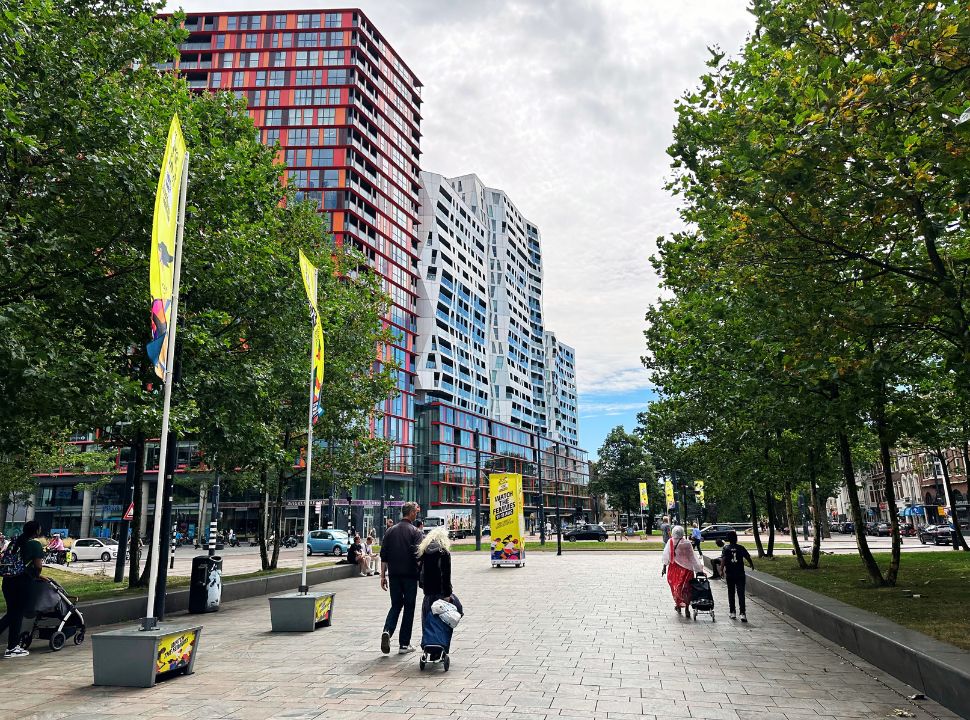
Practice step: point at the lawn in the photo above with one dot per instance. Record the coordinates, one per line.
(940, 579)
(99, 587)
(709, 548)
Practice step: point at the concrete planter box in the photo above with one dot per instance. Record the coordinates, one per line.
(295, 612)
(136, 658)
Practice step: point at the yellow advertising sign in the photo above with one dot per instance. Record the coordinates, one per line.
(162, 260)
(644, 497)
(321, 608)
(175, 651)
(669, 493)
(699, 491)
(507, 519)
(309, 273)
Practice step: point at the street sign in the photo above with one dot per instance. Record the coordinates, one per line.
(129, 513)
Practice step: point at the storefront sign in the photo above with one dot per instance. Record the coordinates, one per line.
(175, 651)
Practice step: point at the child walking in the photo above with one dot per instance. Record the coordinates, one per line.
(733, 557)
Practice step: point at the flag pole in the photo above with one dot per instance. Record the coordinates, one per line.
(150, 622)
(304, 588)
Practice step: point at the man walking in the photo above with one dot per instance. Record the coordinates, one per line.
(399, 569)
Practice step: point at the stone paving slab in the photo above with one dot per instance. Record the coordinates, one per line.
(590, 636)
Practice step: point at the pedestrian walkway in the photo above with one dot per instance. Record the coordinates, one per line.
(585, 636)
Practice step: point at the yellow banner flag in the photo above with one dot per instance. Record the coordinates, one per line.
(669, 493)
(162, 259)
(644, 497)
(309, 273)
(507, 519)
(699, 491)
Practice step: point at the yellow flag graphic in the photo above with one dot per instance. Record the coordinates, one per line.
(669, 493)
(644, 497)
(309, 273)
(162, 261)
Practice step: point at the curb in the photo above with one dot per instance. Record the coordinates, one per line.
(118, 610)
(938, 670)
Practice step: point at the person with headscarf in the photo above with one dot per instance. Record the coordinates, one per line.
(679, 565)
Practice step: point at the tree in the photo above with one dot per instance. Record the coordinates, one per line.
(623, 464)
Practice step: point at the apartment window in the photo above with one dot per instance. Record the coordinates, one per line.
(255, 98)
(298, 137)
(260, 78)
(329, 136)
(277, 78)
(251, 41)
(237, 79)
(309, 77)
(252, 59)
(220, 42)
(232, 23)
(271, 137)
(307, 39)
(333, 20)
(215, 80)
(331, 200)
(335, 38)
(308, 21)
(297, 177)
(272, 97)
(333, 57)
(277, 59)
(227, 60)
(327, 116)
(274, 117)
(322, 158)
(300, 117)
(336, 77)
(307, 57)
(280, 22)
(330, 178)
(303, 97)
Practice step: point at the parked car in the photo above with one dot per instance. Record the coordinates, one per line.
(878, 529)
(586, 532)
(717, 532)
(328, 542)
(907, 530)
(936, 534)
(104, 550)
(848, 528)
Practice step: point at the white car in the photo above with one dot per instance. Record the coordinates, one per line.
(94, 549)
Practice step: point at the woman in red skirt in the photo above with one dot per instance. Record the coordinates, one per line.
(679, 565)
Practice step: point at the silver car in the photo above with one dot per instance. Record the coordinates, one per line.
(104, 550)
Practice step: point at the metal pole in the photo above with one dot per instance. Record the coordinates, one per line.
(123, 543)
(542, 497)
(214, 518)
(555, 459)
(478, 490)
(304, 588)
(150, 622)
(383, 523)
(167, 527)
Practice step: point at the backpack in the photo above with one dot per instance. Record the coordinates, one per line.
(11, 564)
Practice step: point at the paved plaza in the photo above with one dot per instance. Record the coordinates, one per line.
(586, 636)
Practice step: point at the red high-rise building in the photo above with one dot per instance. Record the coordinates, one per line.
(345, 110)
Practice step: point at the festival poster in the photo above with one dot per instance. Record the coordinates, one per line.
(162, 260)
(669, 493)
(175, 651)
(321, 608)
(507, 519)
(644, 497)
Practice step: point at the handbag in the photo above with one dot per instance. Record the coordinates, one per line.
(447, 612)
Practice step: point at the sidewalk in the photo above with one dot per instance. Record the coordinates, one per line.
(589, 636)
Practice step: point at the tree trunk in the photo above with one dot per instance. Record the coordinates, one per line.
(890, 490)
(277, 520)
(816, 513)
(261, 526)
(772, 522)
(848, 473)
(791, 527)
(754, 523)
(135, 544)
(961, 542)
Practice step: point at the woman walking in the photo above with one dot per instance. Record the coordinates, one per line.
(17, 588)
(679, 565)
(434, 555)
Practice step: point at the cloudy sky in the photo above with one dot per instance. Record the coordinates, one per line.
(567, 105)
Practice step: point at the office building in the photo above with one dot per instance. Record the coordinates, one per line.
(560, 390)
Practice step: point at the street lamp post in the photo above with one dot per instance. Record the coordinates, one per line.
(542, 497)
(555, 460)
(383, 522)
(478, 490)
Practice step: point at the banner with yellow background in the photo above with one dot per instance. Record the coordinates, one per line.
(309, 273)
(175, 651)
(507, 519)
(644, 497)
(669, 493)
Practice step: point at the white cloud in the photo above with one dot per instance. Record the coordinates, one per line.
(568, 106)
(609, 409)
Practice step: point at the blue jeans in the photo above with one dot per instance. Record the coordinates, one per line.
(404, 593)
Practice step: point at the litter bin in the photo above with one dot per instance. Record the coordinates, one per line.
(205, 588)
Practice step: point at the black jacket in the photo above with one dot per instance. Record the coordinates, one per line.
(436, 571)
(398, 550)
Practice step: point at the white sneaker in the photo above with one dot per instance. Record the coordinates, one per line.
(744, 618)
(364, 575)
(405, 649)
(15, 652)
(733, 616)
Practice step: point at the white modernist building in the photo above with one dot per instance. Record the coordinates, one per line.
(482, 343)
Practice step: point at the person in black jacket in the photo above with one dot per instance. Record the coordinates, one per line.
(399, 574)
(434, 555)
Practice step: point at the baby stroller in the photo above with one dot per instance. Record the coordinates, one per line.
(701, 598)
(436, 638)
(56, 619)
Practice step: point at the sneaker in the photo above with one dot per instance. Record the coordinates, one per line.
(405, 649)
(385, 642)
(364, 575)
(744, 618)
(15, 652)
(733, 615)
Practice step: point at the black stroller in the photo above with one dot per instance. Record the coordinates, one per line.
(436, 638)
(56, 619)
(701, 598)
